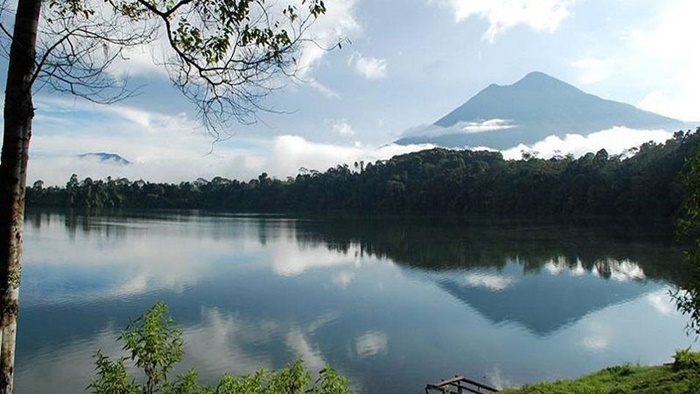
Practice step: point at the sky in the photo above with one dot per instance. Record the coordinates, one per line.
(404, 64)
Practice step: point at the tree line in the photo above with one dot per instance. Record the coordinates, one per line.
(642, 182)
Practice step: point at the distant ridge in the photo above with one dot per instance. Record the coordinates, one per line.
(106, 157)
(530, 110)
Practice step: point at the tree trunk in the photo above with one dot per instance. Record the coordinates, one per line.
(18, 115)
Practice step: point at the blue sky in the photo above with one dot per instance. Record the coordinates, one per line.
(408, 63)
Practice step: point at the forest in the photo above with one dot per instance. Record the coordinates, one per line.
(643, 182)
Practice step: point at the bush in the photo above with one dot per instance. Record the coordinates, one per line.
(154, 343)
(685, 359)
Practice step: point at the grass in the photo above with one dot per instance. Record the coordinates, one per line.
(682, 377)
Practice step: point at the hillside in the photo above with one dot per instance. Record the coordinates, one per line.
(530, 110)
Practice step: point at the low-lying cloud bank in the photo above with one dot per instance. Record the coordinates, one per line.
(482, 126)
(281, 157)
(163, 148)
(614, 141)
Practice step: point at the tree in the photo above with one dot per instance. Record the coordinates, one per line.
(687, 297)
(224, 57)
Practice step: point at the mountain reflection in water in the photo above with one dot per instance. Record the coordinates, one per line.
(546, 302)
(377, 298)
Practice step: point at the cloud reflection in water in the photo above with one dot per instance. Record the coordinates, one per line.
(255, 292)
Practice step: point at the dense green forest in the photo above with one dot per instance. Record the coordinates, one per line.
(643, 182)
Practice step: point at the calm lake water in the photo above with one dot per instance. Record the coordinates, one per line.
(392, 303)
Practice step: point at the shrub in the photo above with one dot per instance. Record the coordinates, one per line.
(685, 359)
(154, 344)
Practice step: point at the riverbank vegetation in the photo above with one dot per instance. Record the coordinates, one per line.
(643, 182)
(682, 377)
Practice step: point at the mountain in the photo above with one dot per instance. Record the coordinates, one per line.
(111, 158)
(530, 110)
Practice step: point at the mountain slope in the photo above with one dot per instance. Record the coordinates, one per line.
(105, 157)
(532, 109)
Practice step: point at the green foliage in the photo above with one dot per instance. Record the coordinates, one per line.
(622, 380)
(687, 296)
(112, 377)
(291, 379)
(155, 345)
(330, 381)
(690, 221)
(685, 359)
(641, 184)
(621, 370)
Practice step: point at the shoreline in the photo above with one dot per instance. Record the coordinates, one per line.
(681, 376)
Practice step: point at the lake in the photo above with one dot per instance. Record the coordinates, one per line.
(393, 303)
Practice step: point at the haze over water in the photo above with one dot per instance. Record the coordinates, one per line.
(392, 303)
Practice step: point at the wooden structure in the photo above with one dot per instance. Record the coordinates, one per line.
(459, 385)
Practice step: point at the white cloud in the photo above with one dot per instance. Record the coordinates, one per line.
(337, 25)
(578, 270)
(299, 343)
(556, 266)
(343, 279)
(371, 343)
(560, 265)
(175, 168)
(621, 270)
(676, 104)
(661, 302)
(673, 43)
(321, 88)
(592, 70)
(460, 128)
(614, 141)
(540, 15)
(486, 125)
(368, 67)
(650, 60)
(595, 343)
(330, 29)
(597, 335)
(293, 260)
(143, 61)
(290, 153)
(69, 112)
(343, 127)
(164, 148)
(221, 337)
(490, 282)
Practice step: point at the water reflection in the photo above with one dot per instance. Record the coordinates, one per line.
(545, 303)
(492, 282)
(371, 343)
(442, 244)
(421, 299)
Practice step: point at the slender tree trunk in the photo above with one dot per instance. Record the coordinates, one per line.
(18, 115)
